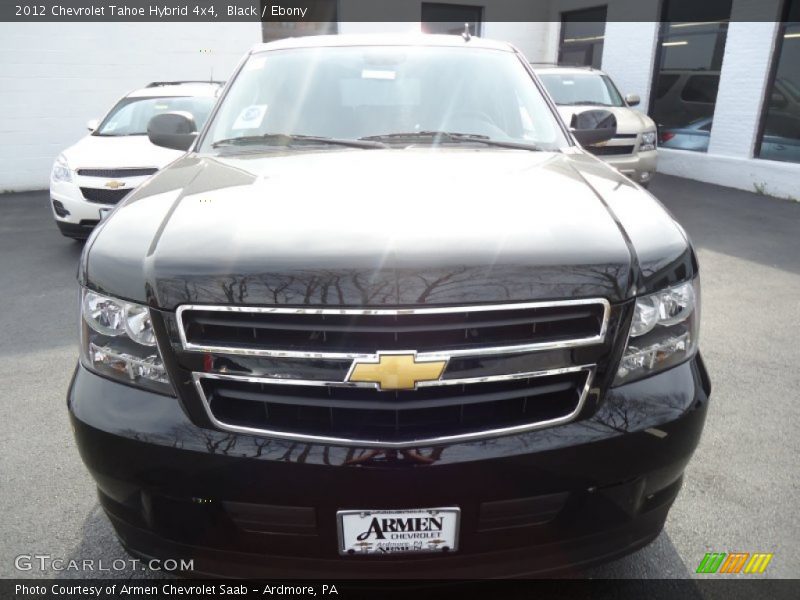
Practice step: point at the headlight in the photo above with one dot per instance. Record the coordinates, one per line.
(663, 332)
(648, 141)
(61, 171)
(118, 341)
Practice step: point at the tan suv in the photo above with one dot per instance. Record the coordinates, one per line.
(632, 151)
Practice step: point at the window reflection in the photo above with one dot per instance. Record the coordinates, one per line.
(582, 36)
(780, 137)
(691, 46)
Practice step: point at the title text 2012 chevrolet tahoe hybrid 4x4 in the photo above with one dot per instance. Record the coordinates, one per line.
(387, 318)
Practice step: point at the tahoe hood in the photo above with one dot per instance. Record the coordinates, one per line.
(352, 227)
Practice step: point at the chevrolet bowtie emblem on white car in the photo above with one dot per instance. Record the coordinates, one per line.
(114, 184)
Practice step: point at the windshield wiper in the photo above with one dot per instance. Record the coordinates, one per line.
(451, 137)
(289, 139)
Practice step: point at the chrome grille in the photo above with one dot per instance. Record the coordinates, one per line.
(456, 406)
(353, 333)
(337, 413)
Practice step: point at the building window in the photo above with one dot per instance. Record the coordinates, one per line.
(278, 30)
(691, 43)
(780, 131)
(450, 18)
(582, 35)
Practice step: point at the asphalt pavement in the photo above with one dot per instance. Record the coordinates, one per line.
(741, 489)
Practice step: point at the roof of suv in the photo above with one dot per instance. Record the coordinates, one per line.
(408, 39)
(178, 88)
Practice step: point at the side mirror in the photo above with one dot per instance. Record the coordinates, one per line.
(632, 99)
(176, 130)
(593, 126)
(92, 124)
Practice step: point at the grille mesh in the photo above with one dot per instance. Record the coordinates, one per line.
(104, 196)
(610, 150)
(116, 172)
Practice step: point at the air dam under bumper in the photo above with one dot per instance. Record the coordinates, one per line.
(533, 503)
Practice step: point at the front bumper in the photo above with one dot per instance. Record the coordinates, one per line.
(533, 503)
(74, 214)
(640, 166)
(79, 208)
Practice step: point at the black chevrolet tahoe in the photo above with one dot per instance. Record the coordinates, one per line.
(387, 318)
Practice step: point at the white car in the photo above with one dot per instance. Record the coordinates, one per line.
(92, 176)
(632, 151)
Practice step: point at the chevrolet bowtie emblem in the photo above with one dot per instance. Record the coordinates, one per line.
(395, 371)
(114, 184)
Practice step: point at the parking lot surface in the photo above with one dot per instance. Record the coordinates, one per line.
(741, 489)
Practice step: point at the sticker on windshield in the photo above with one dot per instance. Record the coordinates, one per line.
(375, 74)
(251, 117)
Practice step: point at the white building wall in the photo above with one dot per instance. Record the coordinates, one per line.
(56, 76)
(625, 40)
(366, 27)
(742, 85)
(534, 39)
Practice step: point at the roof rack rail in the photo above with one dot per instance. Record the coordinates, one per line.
(163, 83)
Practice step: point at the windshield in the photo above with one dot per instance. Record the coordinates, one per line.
(131, 115)
(577, 89)
(357, 92)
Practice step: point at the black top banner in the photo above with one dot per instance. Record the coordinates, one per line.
(369, 10)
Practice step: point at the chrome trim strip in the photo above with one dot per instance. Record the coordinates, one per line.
(415, 443)
(359, 384)
(431, 355)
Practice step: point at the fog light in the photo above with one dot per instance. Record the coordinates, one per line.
(59, 209)
(645, 176)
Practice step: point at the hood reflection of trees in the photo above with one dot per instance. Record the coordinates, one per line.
(387, 286)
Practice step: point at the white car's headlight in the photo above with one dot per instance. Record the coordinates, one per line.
(648, 141)
(118, 341)
(61, 171)
(664, 332)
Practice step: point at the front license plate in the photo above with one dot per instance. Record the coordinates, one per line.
(398, 531)
(104, 212)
